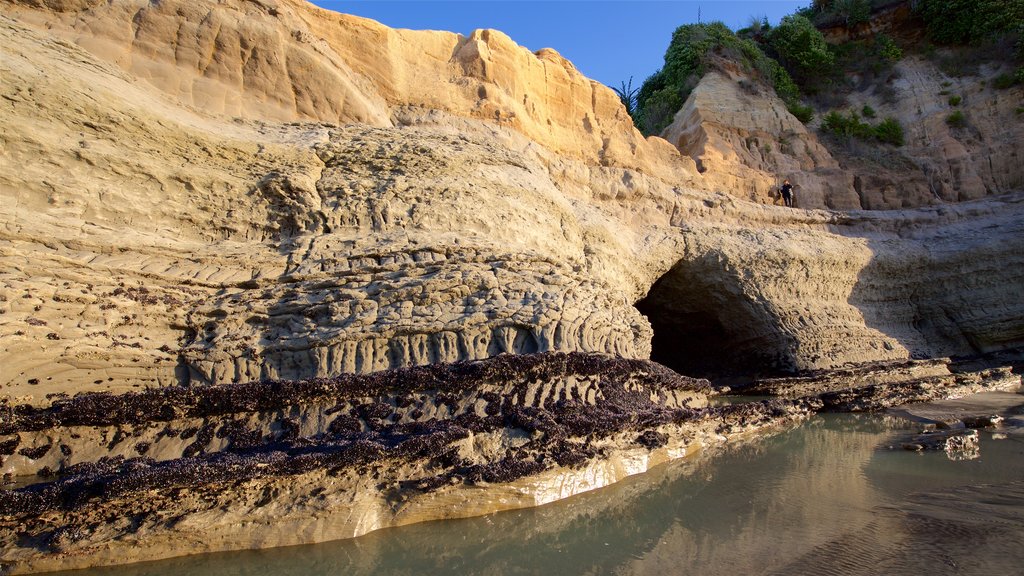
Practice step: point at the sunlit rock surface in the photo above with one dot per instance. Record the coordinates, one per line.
(148, 241)
(203, 195)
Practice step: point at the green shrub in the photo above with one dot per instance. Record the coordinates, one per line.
(1019, 110)
(970, 21)
(756, 28)
(686, 60)
(657, 104)
(994, 30)
(803, 112)
(859, 65)
(834, 122)
(834, 12)
(854, 11)
(956, 119)
(887, 48)
(867, 111)
(955, 100)
(849, 125)
(1004, 81)
(890, 132)
(801, 48)
(694, 48)
(782, 81)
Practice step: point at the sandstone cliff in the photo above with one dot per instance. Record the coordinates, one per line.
(225, 195)
(155, 234)
(288, 60)
(745, 141)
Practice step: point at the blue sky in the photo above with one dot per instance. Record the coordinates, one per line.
(607, 40)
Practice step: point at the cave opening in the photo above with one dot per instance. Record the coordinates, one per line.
(705, 326)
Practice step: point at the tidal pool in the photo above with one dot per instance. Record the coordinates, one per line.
(827, 497)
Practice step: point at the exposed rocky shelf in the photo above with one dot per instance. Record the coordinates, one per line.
(878, 386)
(205, 468)
(145, 475)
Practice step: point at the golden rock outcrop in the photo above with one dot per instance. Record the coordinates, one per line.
(340, 197)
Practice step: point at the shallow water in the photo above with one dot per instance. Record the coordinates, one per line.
(828, 497)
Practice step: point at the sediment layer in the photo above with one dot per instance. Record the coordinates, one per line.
(213, 468)
(189, 470)
(878, 386)
(308, 241)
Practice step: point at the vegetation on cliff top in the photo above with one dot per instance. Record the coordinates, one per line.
(695, 49)
(843, 12)
(801, 48)
(978, 22)
(796, 61)
(971, 21)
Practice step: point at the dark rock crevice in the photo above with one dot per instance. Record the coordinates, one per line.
(706, 327)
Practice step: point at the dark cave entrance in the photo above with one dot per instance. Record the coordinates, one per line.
(704, 326)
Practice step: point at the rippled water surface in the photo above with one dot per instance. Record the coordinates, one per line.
(829, 497)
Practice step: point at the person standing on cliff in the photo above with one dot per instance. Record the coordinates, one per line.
(787, 193)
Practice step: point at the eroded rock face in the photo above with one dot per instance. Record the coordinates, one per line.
(287, 60)
(330, 459)
(433, 285)
(216, 249)
(875, 387)
(960, 163)
(796, 300)
(745, 142)
(339, 203)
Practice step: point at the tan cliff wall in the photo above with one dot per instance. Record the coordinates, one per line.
(745, 141)
(845, 288)
(148, 242)
(289, 60)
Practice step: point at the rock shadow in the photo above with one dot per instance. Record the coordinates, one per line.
(705, 326)
(941, 281)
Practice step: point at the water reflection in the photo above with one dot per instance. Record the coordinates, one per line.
(827, 497)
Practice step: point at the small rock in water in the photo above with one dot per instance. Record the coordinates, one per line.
(982, 421)
(958, 444)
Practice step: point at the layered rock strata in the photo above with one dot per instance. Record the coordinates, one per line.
(330, 459)
(336, 458)
(744, 140)
(218, 249)
(870, 388)
(840, 289)
(287, 60)
(212, 197)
